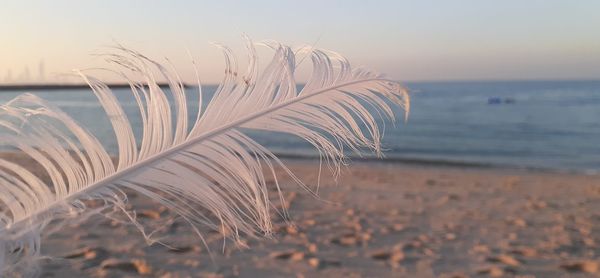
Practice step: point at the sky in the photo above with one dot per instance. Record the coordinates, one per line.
(407, 40)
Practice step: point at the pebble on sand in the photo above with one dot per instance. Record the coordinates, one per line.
(525, 252)
(481, 249)
(518, 222)
(312, 248)
(86, 253)
(314, 262)
(148, 214)
(288, 255)
(582, 266)
(493, 271)
(450, 236)
(505, 259)
(393, 258)
(351, 239)
(135, 265)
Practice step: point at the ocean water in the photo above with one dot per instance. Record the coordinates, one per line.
(527, 124)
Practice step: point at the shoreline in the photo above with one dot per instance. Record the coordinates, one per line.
(444, 163)
(417, 162)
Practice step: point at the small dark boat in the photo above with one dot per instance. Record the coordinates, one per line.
(494, 100)
(498, 100)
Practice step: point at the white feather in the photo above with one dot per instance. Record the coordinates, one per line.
(210, 173)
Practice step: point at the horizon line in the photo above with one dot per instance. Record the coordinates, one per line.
(58, 85)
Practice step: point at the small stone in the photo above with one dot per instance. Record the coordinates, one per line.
(428, 252)
(397, 256)
(453, 275)
(87, 253)
(202, 274)
(585, 231)
(525, 252)
(442, 200)
(356, 226)
(148, 214)
(309, 222)
(281, 255)
(582, 266)
(505, 259)
(493, 271)
(142, 267)
(588, 241)
(480, 248)
(312, 248)
(192, 263)
(454, 197)
(538, 204)
(181, 249)
(346, 240)
(366, 236)
(90, 255)
(291, 229)
(519, 222)
(384, 231)
(288, 255)
(381, 255)
(398, 227)
(314, 262)
(393, 257)
(415, 244)
(162, 209)
(450, 236)
(297, 256)
(136, 265)
(78, 254)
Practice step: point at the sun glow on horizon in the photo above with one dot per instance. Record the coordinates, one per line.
(43, 41)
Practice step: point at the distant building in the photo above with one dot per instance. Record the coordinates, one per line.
(8, 78)
(41, 72)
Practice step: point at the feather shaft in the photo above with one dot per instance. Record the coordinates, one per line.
(158, 157)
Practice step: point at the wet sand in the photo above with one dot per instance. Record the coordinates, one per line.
(381, 220)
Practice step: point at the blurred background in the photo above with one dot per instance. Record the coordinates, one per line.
(503, 84)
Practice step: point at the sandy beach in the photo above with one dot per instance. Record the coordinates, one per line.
(377, 220)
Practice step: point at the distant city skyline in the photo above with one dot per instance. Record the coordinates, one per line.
(24, 75)
(424, 40)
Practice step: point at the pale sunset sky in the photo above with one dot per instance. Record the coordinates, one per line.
(407, 40)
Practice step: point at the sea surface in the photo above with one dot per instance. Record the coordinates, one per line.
(552, 125)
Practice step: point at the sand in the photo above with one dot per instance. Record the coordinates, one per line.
(378, 220)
